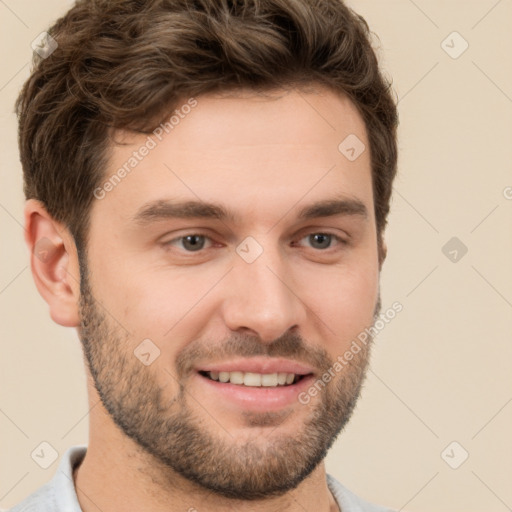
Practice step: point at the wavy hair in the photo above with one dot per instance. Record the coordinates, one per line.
(125, 64)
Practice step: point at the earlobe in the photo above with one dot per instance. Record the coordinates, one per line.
(54, 263)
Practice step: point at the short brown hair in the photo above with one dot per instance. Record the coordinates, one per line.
(125, 64)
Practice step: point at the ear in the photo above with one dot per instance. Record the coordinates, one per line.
(54, 263)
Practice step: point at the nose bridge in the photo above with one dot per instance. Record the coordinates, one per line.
(260, 298)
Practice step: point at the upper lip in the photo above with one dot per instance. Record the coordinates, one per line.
(258, 365)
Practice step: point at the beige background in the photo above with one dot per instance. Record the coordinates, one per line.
(441, 369)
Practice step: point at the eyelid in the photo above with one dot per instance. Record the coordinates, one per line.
(340, 240)
(190, 233)
(170, 243)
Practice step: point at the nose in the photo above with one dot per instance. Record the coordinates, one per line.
(261, 298)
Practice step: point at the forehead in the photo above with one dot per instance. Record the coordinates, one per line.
(255, 154)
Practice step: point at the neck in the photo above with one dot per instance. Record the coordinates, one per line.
(107, 484)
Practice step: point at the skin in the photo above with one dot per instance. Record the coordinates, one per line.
(263, 158)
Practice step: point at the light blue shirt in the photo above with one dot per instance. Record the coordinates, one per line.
(59, 494)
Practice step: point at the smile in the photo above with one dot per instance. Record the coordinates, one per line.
(252, 379)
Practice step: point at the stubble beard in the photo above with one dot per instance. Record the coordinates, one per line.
(265, 465)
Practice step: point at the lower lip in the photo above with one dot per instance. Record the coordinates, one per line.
(257, 399)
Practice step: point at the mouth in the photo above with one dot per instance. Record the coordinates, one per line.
(257, 384)
(252, 379)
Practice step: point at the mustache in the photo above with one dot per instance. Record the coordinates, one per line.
(290, 345)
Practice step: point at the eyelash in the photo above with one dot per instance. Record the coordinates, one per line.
(340, 240)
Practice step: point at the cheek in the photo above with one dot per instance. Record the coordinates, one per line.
(159, 304)
(343, 301)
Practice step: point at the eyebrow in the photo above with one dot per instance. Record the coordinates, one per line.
(163, 210)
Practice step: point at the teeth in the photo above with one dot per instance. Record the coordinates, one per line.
(236, 377)
(269, 379)
(254, 379)
(281, 379)
(251, 379)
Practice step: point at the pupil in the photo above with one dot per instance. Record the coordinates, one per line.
(321, 240)
(194, 242)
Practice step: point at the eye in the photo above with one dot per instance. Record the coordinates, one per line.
(190, 243)
(322, 240)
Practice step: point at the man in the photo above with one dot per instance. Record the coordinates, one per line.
(207, 189)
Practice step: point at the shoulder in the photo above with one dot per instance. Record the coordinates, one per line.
(42, 500)
(348, 501)
(59, 493)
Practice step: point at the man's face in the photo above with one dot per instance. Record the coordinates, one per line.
(273, 292)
